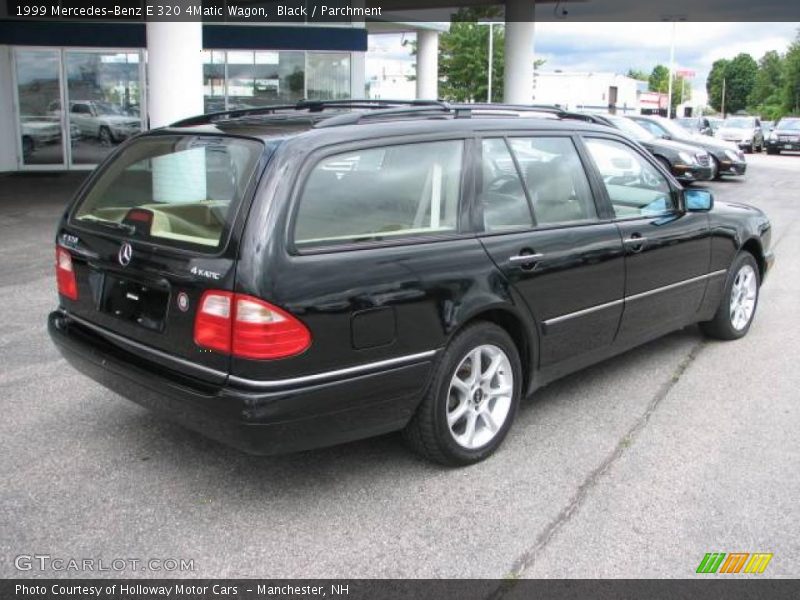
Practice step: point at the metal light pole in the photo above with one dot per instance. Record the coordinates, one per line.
(674, 20)
(671, 70)
(491, 60)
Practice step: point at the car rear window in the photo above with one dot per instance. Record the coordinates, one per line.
(381, 194)
(179, 190)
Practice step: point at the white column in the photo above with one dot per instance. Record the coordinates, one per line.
(427, 64)
(518, 76)
(8, 125)
(358, 75)
(174, 71)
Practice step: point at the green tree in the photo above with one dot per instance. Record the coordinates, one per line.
(740, 79)
(659, 79)
(659, 82)
(464, 57)
(769, 80)
(638, 74)
(791, 77)
(714, 83)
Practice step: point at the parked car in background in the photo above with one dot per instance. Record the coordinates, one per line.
(699, 125)
(766, 128)
(687, 163)
(101, 120)
(728, 159)
(745, 132)
(785, 136)
(715, 123)
(304, 275)
(38, 131)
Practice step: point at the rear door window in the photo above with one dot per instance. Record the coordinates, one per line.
(178, 190)
(555, 178)
(381, 194)
(502, 198)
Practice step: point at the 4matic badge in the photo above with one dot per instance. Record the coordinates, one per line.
(204, 273)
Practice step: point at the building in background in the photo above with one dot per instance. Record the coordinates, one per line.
(592, 92)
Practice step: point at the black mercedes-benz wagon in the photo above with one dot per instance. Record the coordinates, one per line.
(298, 276)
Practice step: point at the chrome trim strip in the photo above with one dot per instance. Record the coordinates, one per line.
(672, 286)
(253, 383)
(165, 356)
(330, 375)
(585, 311)
(591, 309)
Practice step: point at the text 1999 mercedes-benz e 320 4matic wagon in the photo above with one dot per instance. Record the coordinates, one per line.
(298, 276)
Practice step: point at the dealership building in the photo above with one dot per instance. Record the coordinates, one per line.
(70, 90)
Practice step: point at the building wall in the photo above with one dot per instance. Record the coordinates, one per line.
(585, 91)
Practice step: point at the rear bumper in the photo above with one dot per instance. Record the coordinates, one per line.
(256, 422)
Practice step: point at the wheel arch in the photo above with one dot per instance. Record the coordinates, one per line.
(507, 317)
(753, 246)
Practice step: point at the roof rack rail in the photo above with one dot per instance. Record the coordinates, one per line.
(354, 118)
(496, 106)
(311, 106)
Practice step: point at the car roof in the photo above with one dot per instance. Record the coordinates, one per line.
(341, 122)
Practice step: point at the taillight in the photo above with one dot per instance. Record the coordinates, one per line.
(65, 274)
(212, 323)
(247, 327)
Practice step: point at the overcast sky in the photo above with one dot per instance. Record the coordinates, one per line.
(617, 47)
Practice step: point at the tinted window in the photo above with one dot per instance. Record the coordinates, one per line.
(635, 187)
(502, 198)
(381, 193)
(555, 178)
(185, 188)
(652, 128)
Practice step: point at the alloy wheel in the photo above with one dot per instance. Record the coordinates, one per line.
(479, 397)
(744, 293)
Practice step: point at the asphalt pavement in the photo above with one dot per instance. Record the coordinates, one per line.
(636, 467)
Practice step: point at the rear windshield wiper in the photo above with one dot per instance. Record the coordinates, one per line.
(129, 229)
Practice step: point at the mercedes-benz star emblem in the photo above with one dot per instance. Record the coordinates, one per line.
(125, 254)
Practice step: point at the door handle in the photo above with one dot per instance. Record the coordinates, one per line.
(635, 242)
(526, 258)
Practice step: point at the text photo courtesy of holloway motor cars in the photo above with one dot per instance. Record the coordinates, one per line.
(399, 299)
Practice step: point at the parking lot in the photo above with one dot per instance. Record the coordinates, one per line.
(636, 467)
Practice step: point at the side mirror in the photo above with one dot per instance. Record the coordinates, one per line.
(698, 200)
(666, 136)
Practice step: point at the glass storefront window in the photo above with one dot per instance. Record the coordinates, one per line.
(328, 76)
(214, 80)
(103, 102)
(38, 88)
(103, 91)
(257, 78)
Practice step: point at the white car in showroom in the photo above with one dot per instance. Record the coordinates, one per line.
(101, 120)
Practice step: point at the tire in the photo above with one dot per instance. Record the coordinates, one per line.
(28, 146)
(715, 165)
(741, 293)
(436, 431)
(105, 137)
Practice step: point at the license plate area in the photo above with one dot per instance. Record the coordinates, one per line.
(134, 301)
